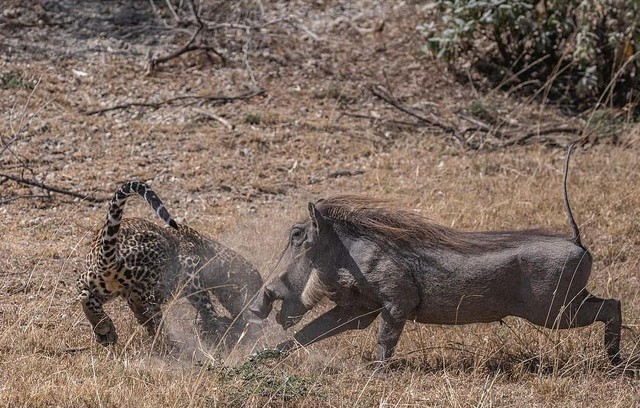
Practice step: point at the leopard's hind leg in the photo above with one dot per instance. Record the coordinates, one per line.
(103, 328)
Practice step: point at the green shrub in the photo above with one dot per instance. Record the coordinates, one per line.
(583, 50)
(253, 119)
(15, 80)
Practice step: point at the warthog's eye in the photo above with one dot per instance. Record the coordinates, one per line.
(297, 236)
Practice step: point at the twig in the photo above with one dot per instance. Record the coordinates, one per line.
(383, 94)
(345, 173)
(71, 350)
(214, 116)
(245, 57)
(541, 132)
(188, 46)
(374, 118)
(510, 139)
(18, 197)
(43, 186)
(296, 23)
(221, 99)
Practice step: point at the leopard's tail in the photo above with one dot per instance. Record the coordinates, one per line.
(109, 239)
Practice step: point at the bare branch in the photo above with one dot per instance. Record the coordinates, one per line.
(510, 139)
(386, 96)
(540, 132)
(214, 116)
(189, 46)
(245, 53)
(220, 99)
(19, 197)
(173, 11)
(85, 197)
(345, 173)
(379, 119)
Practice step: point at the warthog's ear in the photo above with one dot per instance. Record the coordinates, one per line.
(318, 221)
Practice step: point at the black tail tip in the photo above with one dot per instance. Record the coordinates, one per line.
(173, 224)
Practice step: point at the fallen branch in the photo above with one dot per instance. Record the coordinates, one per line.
(154, 62)
(480, 125)
(541, 132)
(510, 139)
(345, 173)
(208, 98)
(20, 197)
(71, 350)
(189, 46)
(214, 116)
(380, 119)
(386, 96)
(85, 197)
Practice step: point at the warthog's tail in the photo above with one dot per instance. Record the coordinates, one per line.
(572, 221)
(109, 238)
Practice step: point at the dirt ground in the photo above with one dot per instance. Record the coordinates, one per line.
(243, 170)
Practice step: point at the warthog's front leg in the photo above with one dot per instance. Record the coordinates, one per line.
(335, 321)
(199, 297)
(388, 336)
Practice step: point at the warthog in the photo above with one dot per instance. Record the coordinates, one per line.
(372, 261)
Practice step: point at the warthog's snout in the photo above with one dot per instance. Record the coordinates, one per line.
(261, 307)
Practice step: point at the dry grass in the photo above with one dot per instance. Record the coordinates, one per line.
(247, 185)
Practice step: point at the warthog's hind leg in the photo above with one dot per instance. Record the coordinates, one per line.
(609, 312)
(594, 309)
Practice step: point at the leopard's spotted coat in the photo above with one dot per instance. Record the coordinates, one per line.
(147, 265)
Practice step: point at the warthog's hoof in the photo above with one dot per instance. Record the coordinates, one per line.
(286, 346)
(380, 368)
(616, 360)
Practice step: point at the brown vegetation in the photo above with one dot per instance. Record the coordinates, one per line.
(243, 172)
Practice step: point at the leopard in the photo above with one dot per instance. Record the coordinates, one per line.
(147, 265)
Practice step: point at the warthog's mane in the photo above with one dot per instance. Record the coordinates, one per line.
(374, 219)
